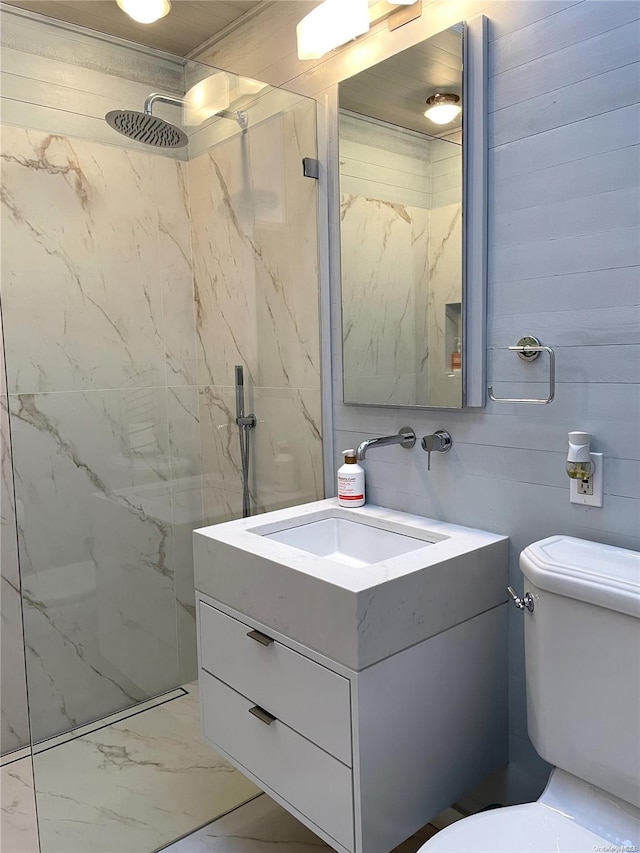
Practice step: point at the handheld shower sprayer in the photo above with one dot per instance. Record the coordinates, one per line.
(245, 424)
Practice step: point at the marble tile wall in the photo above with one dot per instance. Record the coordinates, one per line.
(253, 219)
(400, 269)
(99, 319)
(379, 295)
(14, 727)
(400, 244)
(445, 289)
(120, 354)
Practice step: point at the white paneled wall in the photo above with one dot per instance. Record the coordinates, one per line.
(63, 80)
(564, 250)
(378, 161)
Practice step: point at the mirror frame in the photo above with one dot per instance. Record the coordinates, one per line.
(474, 222)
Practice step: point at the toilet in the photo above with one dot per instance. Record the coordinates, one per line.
(582, 660)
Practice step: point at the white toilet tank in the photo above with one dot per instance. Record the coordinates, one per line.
(582, 649)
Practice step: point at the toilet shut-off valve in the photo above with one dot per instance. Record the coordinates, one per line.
(525, 603)
(439, 442)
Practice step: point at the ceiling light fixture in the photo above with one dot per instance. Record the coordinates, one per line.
(442, 108)
(329, 25)
(145, 11)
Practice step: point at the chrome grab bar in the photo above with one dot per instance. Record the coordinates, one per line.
(528, 349)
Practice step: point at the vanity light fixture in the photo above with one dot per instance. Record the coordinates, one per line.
(145, 11)
(333, 23)
(207, 98)
(443, 107)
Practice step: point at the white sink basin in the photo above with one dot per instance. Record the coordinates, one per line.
(349, 542)
(357, 584)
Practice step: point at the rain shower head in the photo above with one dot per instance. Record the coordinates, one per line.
(144, 127)
(147, 128)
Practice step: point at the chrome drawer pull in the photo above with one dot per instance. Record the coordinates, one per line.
(260, 637)
(262, 715)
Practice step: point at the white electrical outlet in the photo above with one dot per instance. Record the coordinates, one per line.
(589, 492)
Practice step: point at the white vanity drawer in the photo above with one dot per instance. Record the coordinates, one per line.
(308, 697)
(307, 777)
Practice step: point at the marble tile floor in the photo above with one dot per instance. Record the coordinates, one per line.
(262, 826)
(135, 782)
(18, 825)
(131, 786)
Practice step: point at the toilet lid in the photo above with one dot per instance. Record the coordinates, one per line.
(530, 828)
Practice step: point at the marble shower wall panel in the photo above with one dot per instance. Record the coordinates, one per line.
(286, 235)
(379, 299)
(288, 415)
(186, 515)
(445, 287)
(253, 218)
(87, 281)
(96, 547)
(420, 252)
(14, 727)
(171, 197)
(255, 255)
(105, 290)
(224, 260)
(221, 466)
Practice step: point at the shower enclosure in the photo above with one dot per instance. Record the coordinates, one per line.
(134, 280)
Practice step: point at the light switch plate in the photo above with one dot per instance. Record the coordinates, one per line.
(597, 481)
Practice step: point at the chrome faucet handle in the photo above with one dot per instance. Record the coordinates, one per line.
(439, 442)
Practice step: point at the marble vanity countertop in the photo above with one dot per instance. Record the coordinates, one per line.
(353, 615)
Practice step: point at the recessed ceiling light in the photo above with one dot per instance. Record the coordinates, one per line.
(442, 108)
(145, 11)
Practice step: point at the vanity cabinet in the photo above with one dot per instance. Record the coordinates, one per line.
(363, 758)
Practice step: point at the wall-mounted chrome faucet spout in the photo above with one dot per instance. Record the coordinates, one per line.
(405, 437)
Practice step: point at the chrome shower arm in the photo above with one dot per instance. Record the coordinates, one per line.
(241, 116)
(157, 97)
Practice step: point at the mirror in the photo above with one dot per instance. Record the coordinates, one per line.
(401, 226)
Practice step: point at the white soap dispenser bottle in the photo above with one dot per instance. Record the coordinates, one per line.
(350, 481)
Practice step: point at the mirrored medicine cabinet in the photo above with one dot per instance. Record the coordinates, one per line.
(412, 226)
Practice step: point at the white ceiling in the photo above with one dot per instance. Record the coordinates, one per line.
(188, 24)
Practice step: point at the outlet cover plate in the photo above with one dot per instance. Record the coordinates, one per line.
(597, 478)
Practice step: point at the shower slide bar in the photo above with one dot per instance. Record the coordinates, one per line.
(245, 424)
